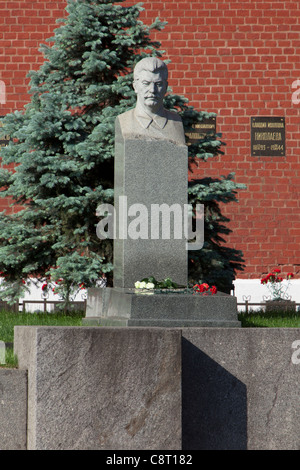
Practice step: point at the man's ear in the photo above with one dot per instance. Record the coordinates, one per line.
(134, 85)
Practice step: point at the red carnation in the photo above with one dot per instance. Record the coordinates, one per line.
(204, 287)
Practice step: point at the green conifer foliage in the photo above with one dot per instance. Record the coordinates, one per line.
(58, 166)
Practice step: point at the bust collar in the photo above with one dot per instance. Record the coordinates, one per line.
(145, 120)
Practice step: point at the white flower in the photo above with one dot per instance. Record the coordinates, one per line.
(150, 285)
(140, 285)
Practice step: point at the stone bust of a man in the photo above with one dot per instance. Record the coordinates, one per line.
(149, 119)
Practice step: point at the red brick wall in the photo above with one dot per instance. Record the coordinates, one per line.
(239, 59)
(235, 58)
(24, 25)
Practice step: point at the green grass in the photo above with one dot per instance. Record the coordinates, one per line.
(9, 320)
(11, 359)
(275, 319)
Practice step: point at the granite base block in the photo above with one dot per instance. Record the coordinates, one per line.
(152, 389)
(130, 307)
(101, 388)
(13, 409)
(240, 389)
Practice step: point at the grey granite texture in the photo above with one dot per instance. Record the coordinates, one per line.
(102, 388)
(240, 389)
(150, 172)
(13, 409)
(131, 307)
(154, 388)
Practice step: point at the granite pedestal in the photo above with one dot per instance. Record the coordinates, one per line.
(151, 180)
(131, 307)
(151, 232)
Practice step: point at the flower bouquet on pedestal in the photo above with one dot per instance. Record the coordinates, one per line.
(149, 284)
(168, 286)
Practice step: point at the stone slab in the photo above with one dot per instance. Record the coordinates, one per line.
(13, 409)
(101, 388)
(148, 172)
(240, 389)
(130, 307)
(116, 388)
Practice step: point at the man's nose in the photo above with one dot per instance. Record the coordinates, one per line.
(152, 87)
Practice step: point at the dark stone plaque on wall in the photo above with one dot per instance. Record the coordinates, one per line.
(201, 130)
(268, 136)
(4, 139)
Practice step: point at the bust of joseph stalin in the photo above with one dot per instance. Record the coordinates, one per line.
(149, 119)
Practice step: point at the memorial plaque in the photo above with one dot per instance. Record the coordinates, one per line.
(201, 130)
(268, 136)
(4, 139)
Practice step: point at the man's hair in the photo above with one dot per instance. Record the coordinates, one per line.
(151, 64)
